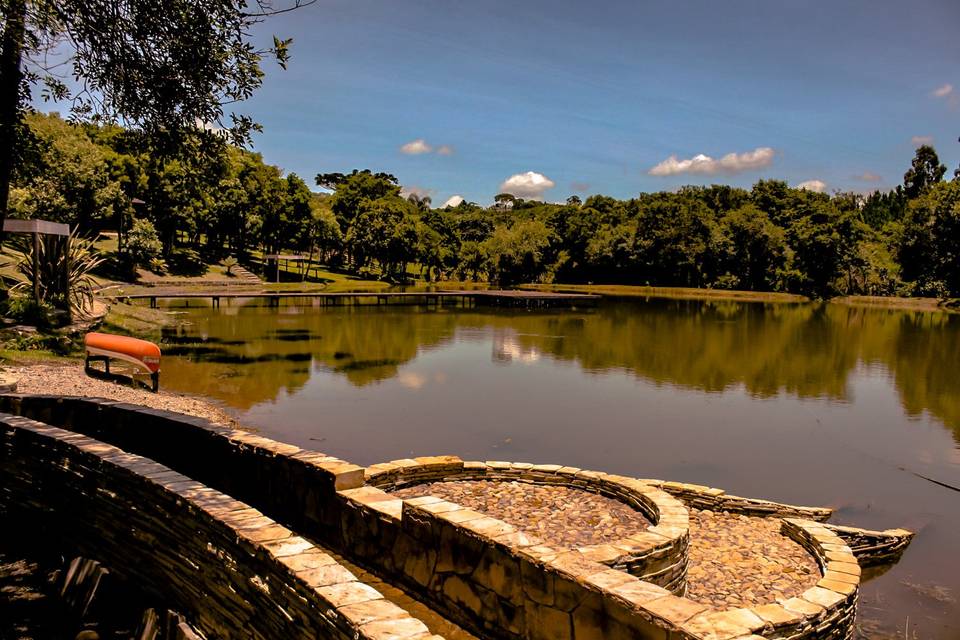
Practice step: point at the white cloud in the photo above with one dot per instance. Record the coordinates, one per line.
(453, 201)
(702, 163)
(530, 185)
(868, 176)
(813, 185)
(420, 146)
(406, 191)
(921, 140)
(209, 126)
(416, 147)
(943, 91)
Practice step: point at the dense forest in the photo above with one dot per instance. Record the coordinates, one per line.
(198, 200)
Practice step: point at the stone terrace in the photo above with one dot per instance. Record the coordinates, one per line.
(560, 516)
(482, 572)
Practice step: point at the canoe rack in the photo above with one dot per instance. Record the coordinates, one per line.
(143, 354)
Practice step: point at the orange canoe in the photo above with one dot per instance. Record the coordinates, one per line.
(141, 353)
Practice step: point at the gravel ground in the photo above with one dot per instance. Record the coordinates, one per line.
(740, 561)
(69, 379)
(560, 516)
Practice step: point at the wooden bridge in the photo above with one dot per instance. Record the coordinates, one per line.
(475, 298)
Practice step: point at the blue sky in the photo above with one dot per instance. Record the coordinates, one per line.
(593, 95)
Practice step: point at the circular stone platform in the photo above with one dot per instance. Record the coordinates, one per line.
(744, 561)
(560, 516)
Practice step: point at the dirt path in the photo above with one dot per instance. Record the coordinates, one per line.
(69, 379)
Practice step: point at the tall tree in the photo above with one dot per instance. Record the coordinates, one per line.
(421, 202)
(162, 67)
(930, 245)
(924, 171)
(956, 172)
(354, 192)
(756, 247)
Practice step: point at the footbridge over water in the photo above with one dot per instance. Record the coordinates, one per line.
(249, 537)
(479, 297)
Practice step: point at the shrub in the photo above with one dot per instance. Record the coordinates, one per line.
(65, 277)
(726, 281)
(158, 265)
(24, 310)
(142, 243)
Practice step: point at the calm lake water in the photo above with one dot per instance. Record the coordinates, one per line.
(810, 404)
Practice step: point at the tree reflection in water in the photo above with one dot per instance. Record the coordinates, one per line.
(246, 354)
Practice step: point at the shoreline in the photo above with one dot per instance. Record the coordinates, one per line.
(111, 294)
(67, 378)
(690, 293)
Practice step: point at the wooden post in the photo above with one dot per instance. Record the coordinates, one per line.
(36, 267)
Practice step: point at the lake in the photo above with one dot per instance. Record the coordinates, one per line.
(805, 403)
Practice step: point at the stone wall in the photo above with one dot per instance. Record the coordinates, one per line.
(657, 555)
(874, 547)
(713, 499)
(503, 583)
(230, 569)
(479, 571)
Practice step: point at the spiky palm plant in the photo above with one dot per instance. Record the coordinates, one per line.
(64, 274)
(229, 262)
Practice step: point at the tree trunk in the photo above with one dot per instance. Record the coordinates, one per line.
(11, 75)
(306, 273)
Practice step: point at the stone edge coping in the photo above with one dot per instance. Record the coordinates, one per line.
(344, 475)
(828, 602)
(874, 547)
(362, 606)
(670, 519)
(713, 499)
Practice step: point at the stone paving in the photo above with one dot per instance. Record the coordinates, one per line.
(742, 561)
(560, 516)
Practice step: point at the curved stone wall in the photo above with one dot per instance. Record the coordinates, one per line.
(478, 570)
(232, 570)
(657, 555)
(713, 499)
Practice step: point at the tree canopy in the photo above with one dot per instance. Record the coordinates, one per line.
(229, 201)
(171, 69)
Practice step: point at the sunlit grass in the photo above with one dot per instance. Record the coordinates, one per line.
(13, 357)
(135, 320)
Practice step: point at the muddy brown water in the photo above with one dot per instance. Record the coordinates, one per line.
(804, 403)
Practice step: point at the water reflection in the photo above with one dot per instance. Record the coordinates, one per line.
(818, 404)
(247, 354)
(507, 349)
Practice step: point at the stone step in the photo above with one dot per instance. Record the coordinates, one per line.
(244, 274)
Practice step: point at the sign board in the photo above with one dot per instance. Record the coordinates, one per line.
(11, 225)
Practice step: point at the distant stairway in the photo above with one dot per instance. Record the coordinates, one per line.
(246, 276)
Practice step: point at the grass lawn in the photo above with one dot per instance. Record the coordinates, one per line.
(214, 273)
(13, 357)
(326, 280)
(135, 320)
